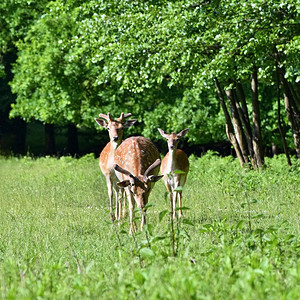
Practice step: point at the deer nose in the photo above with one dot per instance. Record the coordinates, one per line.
(172, 147)
(115, 138)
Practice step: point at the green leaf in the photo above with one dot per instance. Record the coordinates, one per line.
(148, 205)
(89, 266)
(149, 228)
(179, 189)
(178, 172)
(240, 224)
(147, 253)
(188, 222)
(257, 216)
(162, 214)
(158, 238)
(139, 277)
(182, 208)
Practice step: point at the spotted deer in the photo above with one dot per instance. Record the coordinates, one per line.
(137, 162)
(106, 160)
(174, 167)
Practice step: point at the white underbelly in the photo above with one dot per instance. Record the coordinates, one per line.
(173, 180)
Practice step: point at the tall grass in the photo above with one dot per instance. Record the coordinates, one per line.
(239, 239)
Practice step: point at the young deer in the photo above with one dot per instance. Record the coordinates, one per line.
(137, 163)
(175, 160)
(106, 159)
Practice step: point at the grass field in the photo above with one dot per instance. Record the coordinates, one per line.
(239, 239)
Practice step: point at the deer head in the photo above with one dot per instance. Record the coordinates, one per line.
(139, 186)
(173, 138)
(115, 127)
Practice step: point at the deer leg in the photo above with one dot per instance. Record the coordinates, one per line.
(180, 204)
(120, 205)
(182, 183)
(117, 213)
(110, 195)
(143, 222)
(171, 203)
(131, 205)
(124, 203)
(169, 189)
(175, 194)
(120, 199)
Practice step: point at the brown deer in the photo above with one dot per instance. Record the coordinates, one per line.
(106, 159)
(137, 163)
(174, 167)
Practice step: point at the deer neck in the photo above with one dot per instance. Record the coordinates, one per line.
(171, 165)
(114, 145)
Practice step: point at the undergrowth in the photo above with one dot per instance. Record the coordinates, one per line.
(238, 239)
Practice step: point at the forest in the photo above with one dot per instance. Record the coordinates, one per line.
(227, 70)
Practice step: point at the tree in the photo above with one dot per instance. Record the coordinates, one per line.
(16, 16)
(68, 60)
(162, 61)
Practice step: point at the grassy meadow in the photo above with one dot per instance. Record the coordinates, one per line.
(239, 238)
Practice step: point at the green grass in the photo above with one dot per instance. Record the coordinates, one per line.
(239, 239)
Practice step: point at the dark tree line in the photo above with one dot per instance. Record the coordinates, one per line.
(222, 68)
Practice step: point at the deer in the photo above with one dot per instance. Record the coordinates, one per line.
(137, 162)
(174, 167)
(106, 159)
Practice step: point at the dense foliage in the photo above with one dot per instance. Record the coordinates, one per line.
(156, 59)
(239, 239)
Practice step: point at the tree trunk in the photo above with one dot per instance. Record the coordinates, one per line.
(229, 126)
(294, 95)
(242, 97)
(237, 126)
(257, 141)
(247, 128)
(72, 147)
(297, 88)
(49, 140)
(292, 111)
(282, 134)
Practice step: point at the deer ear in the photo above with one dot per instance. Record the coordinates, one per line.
(154, 178)
(123, 184)
(129, 123)
(182, 133)
(101, 122)
(163, 133)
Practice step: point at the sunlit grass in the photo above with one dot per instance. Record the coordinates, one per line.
(239, 238)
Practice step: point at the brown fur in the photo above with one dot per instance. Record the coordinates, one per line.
(135, 155)
(182, 162)
(175, 160)
(106, 158)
